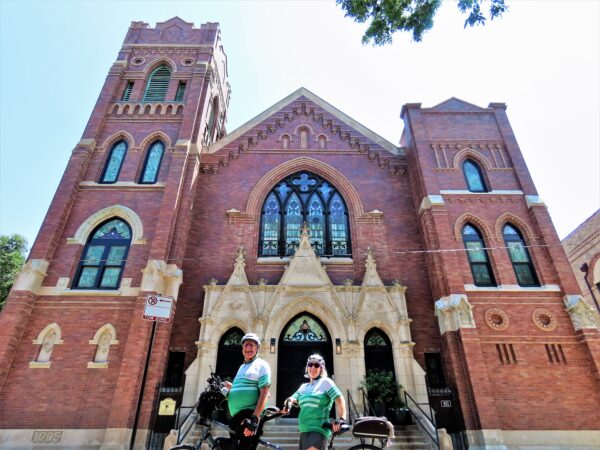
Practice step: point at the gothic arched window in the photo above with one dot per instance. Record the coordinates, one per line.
(114, 162)
(229, 356)
(152, 163)
(519, 256)
(299, 198)
(104, 256)
(474, 176)
(158, 84)
(478, 257)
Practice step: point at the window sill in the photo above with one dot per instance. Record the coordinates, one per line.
(286, 260)
(39, 365)
(513, 288)
(121, 185)
(467, 192)
(97, 365)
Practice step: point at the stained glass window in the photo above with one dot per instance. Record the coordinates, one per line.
(233, 338)
(152, 163)
(114, 163)
(304, 198)
(375, 338)
(519, 257)
(104, 256)
(478, 257)
(305, 328)
(474, 177)
(271, 224)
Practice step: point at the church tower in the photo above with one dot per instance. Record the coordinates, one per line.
(115, 232)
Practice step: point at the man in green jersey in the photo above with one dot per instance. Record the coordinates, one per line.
(315, 399)
(248, 395)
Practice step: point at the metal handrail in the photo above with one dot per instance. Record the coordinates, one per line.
(367, 408)
(180, 438)
(352, 409)
(427, 424)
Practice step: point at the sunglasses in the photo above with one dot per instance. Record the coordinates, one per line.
(314, 364)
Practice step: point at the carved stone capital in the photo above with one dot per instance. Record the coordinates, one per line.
(582, 314)
(31, 276)
(161, 278)
(454, 312)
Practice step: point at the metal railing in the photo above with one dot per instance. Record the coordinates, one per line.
(189, 420)
(424, 421)
(353, 413)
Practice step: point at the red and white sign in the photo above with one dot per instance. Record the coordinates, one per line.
(159, 309)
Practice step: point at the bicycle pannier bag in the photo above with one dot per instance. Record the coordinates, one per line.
(373, 427)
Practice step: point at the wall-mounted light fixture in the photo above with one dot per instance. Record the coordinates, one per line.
(272, 346)
(338, 346)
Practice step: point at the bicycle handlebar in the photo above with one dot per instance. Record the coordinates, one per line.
(343, 428)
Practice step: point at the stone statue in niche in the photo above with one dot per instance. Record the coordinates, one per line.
(322, 142)
(285, 142)
(47, 346)
(103, 347)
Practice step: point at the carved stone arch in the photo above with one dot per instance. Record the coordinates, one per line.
(304, 125)
(331, 174)
(222, 327)
(116, 137)
(157, 62)
(50, 336)
(285, 139)
(157, 135)
(279, 317)
(105, 337)
(472, 154)
(387, 328)
(120, 211)
(479, 223)
(51, 327)
(106, 327)
(515, 220)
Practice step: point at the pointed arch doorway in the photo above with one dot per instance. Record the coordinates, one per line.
(302, 336)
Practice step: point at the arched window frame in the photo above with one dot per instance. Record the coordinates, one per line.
(48, 338)
(519, 257)
(477, 171)
(158, 84)
(103, 346)
(145, 168)
(478, 258)
(102, 262)
(114, 158)
(285, 245)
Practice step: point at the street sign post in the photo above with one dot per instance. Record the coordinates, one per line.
(156, 309)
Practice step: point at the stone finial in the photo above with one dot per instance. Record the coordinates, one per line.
(371, 276)
(582, 314)
(453, 312)
(238, 277)
(304, 237)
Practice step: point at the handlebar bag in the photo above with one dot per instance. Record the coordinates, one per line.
(373, 427)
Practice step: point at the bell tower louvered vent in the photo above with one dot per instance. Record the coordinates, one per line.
(158, 83)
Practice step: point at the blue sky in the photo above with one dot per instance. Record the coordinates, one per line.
(544, 62)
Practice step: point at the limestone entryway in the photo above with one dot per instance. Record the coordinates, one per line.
(345, 313)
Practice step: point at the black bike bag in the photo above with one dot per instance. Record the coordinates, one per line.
(373, 427)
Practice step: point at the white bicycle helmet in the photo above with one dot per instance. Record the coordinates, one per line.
(251, 337)
(320, 360)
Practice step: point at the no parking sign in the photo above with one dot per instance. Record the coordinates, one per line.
(158, 309)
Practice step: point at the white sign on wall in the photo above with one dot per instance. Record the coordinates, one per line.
(158, 309)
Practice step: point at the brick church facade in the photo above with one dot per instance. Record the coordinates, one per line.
(301, 223)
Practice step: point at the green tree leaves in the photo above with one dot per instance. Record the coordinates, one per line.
(415, 16)
(13, 249)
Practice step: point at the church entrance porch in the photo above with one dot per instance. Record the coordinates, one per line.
(340, 314)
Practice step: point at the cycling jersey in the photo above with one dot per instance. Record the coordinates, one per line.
(315, 400)
(249, 380)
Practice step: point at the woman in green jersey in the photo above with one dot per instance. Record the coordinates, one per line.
(315, 399)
